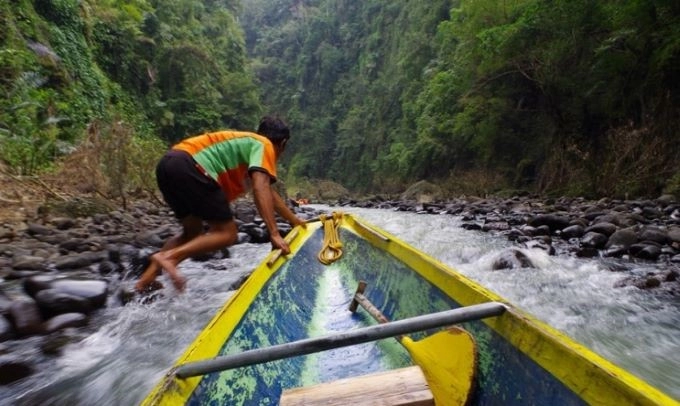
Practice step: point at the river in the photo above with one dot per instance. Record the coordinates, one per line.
(129, 348)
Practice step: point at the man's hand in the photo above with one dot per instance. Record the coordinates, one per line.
(279, 243)
(298, 222)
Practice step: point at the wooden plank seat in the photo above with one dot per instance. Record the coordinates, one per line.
(403, 387)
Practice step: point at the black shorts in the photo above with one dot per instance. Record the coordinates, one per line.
(188, 190)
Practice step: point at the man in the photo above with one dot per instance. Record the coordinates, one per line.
(198, 178)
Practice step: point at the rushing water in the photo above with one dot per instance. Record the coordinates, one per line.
(131, 348)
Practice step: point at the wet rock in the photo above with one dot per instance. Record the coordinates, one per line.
(5, 303)
(95, 291)
(616, 251)
(153, 238)
(243, 238)
(608, 217)
(587, 252)
(6, 233)
(35, 229)
(666, 200)
(219, 254)
(496, 226)
(471, 226)
(6, 329)
(542, 230)
(63, 223)
(511, 258)
(74, 245)
(108, 267)
(573, 231)
(654, 234)
(65, 320)
(674, 234)
(284, 228)
(28, 262)
(594, 240)
(622, 238)
(542, 244)
(245, 213)
(645, 251)
(515, 235)
(139, 260)
(76, 261)
(34, 284)
(604, 228)
(53, 302)
(651, 212)
(12, 369)
(649, 283)
(26, 317)
(257, 234)
(554, 222)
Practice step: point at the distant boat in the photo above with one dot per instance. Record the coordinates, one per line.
(287, 336)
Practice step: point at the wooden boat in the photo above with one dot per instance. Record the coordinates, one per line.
(289, 330)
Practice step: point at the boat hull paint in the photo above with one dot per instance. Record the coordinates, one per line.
(521, 360)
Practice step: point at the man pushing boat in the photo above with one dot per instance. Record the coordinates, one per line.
(198, 178)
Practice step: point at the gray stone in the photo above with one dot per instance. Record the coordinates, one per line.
(53, 302)
(602, 228)
(28, 262)
(594, 240)
(65, 320)
(511, 258)
(81, 260)
(622, 238)
(573, 231)
(654, 234)
(26, 317)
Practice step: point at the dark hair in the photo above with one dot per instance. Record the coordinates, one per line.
(274, 128)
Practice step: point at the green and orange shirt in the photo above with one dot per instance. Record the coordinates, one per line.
(228, 157)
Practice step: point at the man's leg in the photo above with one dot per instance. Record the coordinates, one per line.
(192, 227)
(219, 235)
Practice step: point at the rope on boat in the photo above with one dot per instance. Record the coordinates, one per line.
(332, 247)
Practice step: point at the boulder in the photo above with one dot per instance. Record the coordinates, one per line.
(25, 315)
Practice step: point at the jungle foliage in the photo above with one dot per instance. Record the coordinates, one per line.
(559, 96)
(142, 68)
(576, 97)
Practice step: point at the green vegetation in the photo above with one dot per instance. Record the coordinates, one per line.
(576, 97)
(127, 76)
(565, 96)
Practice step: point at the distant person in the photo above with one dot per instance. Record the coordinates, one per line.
(198, 178)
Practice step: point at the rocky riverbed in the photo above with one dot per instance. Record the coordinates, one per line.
(57, 270)
(636, 232)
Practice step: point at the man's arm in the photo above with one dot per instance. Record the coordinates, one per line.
(284, 211)
(266, 203)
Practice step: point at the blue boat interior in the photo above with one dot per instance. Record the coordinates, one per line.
(305, 298)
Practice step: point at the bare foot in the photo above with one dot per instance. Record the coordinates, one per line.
(148, 277)
(170, 267)
(179, 282)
